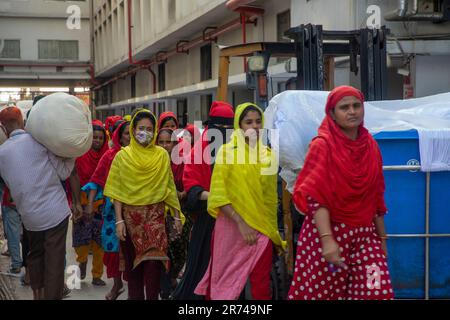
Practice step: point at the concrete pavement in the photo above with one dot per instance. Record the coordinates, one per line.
(86, 292)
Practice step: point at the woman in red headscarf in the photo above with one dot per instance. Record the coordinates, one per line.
(191, 134)
(110, 242)
(110, 123)
(341, 253)
(87, 226)
(168, 120)
(196, 181)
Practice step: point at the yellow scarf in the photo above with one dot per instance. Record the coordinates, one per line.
(241, 183)
(142, 175)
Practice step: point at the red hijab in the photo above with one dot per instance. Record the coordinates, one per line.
(344, 176)
(110, 122)
(177, 169)
(101, 172)
(200, 174)
(164, 116)
(87, 163)
(193, 130)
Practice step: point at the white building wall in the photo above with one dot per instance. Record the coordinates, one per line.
(429, 73)
(30, 30)
(32, 20)
(432, 75)
(181, 69)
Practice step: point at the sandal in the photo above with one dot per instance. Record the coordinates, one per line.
(98, 282)
(111, 296)
(66, 292)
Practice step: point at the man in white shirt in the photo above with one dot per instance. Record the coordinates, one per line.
(33, 175)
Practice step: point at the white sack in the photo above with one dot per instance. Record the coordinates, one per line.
(63, 124)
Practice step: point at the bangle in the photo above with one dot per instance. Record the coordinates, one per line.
(119, 222)
(178, 219)
(325, 235)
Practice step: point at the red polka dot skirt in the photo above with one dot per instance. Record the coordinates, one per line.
(366, 278)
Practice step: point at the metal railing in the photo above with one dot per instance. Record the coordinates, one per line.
(426, 235)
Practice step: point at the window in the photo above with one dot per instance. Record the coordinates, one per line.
(11, 49)
(133, 86)
(161, 77)
(110, 93)
(104, 96)
(58, 49)
(205, 103)
(283, 24)
(161, 107)
(205, 63)
(172, 9)
(182, 112)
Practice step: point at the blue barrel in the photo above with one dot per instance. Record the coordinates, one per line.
(406, 201)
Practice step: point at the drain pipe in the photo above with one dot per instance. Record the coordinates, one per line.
(401, 13)
(152, 73)
(415, 7)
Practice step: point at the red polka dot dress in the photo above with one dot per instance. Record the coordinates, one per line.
(366, 278)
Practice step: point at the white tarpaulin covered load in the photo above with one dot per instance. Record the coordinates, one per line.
(63, 124)
(298, 114)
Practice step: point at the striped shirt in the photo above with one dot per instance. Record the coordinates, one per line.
(33, 175)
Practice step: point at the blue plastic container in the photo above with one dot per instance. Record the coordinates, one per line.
(406, 201)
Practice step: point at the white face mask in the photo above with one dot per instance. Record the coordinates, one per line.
(144, 137)
(3, 135)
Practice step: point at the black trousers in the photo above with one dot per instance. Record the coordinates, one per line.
(25, 246)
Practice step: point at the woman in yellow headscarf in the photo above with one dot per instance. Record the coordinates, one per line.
(141, 185)
(243, 199)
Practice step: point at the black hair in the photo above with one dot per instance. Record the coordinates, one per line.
(97, 128)
(144, 115)
(116, 125)
(37, 98)
(168, 119)
(133, 113)
(122, 128)
(247, 110)
(165, 130)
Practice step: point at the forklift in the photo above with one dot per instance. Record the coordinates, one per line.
(314, 50)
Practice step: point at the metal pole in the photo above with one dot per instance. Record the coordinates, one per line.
(427, 239)
(401, 168)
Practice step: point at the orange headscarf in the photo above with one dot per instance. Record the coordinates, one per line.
(11, 114)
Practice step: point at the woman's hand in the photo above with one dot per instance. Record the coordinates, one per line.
(384, 247)
(178, 226)
(121, 231)
(89, 209)
(181, 195)
(248, 233)
(204, 195)
(330, 251)
(77, 212)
